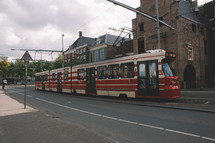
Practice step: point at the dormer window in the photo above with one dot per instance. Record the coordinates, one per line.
(98, 41)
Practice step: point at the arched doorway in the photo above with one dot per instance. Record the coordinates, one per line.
(190, 76)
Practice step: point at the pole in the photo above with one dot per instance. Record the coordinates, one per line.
(62, 53)
(26, 70)
(41, 62)
(158, 27)
(140, 12)
(200, 63)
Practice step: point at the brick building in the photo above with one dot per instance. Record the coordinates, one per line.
(189, 39)
(110, 46)
(207, 11)
(79, 49)
(98, 49)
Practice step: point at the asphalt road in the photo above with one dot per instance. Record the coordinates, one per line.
(121, 121)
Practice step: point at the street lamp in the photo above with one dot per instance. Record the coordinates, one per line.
(62, 53)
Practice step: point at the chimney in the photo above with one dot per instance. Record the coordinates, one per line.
(80, 33)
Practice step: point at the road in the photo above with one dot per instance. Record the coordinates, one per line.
(121, 121)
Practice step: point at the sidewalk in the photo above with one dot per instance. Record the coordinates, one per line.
(9, 106)
(19, 125)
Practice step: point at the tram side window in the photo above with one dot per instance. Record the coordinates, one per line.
(101, 72)
(113, 71)
(46, 78)
(127, 70)
(66, 74)
(53, 76)
(81, 74)
(37, 78)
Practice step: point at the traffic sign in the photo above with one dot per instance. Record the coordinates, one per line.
(26, 57)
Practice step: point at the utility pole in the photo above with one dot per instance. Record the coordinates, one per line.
(140, 12)
(158, 26)
(26, 57)
(147, 16)
(62, 53)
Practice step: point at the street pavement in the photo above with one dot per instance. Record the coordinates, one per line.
(32, 125)
(19, 125)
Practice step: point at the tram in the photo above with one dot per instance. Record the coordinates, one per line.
(146, 75)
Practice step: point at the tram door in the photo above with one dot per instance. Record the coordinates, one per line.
(59, 81)
(148, 78)
(90, 81)
(43, 82)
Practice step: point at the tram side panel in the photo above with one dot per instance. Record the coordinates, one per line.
(43, 81)
(79, 80)
(61, 80)
(66, 80)
(116, 79)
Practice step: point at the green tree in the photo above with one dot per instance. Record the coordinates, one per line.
(19, 68)
(4, 68)
(57, 63)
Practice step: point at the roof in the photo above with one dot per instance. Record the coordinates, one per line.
(108, 39)
(82, 41)
(186, 10)
(3, 56)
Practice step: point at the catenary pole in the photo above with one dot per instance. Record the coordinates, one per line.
(141, 13)
(158, 26)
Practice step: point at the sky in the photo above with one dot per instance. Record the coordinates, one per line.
(35, 24)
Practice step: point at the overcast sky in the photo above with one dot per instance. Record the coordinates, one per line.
(36, 24)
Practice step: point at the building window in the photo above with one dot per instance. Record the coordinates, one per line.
(101, 73)
(102, 54)
(113, 71)
(141, 27)
(97, 55)
(202, 30)
(81, 74)
(92, 56)
(205, 45)
(161, 19)
(193, 27)
(127, 70)
(84, 50)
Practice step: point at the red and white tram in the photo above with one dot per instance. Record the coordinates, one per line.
(43, 80)
(146, 75)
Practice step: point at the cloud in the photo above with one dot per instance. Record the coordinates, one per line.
(34, 24)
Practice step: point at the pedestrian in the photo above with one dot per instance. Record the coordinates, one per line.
(4, 83)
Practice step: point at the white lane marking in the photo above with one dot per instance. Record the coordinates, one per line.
(150, 126)
(127, 121)
(211, 139)
(183, 133)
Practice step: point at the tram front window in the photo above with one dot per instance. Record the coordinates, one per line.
(166, 69)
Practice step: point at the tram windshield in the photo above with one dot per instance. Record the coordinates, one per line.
(166, 69)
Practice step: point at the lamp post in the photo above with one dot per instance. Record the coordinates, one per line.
(62, 53)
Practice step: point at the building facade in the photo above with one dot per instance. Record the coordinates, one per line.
(207, 11)
(3, 57)
(110, 46)
(189, 39)
(79, 49)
